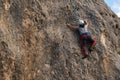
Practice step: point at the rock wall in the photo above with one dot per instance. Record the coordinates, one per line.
(36, 44)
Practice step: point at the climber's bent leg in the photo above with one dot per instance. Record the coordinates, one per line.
(93, 43)
(83, 48)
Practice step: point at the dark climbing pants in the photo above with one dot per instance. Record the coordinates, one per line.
(85, 38)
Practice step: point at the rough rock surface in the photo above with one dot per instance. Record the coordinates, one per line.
(36, 44)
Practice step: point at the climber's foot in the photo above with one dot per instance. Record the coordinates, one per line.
(90, 50)
(85, 56)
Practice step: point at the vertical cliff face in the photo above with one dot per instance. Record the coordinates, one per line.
(35, 43)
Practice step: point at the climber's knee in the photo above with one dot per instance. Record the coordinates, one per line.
(93, 43)
(94, 40)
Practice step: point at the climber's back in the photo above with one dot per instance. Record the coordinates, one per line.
(82, 27)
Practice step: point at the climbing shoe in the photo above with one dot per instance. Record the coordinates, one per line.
(85, 56)
(90, 50)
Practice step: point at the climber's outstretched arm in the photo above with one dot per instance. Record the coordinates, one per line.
(86, 23)
(71, 26)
